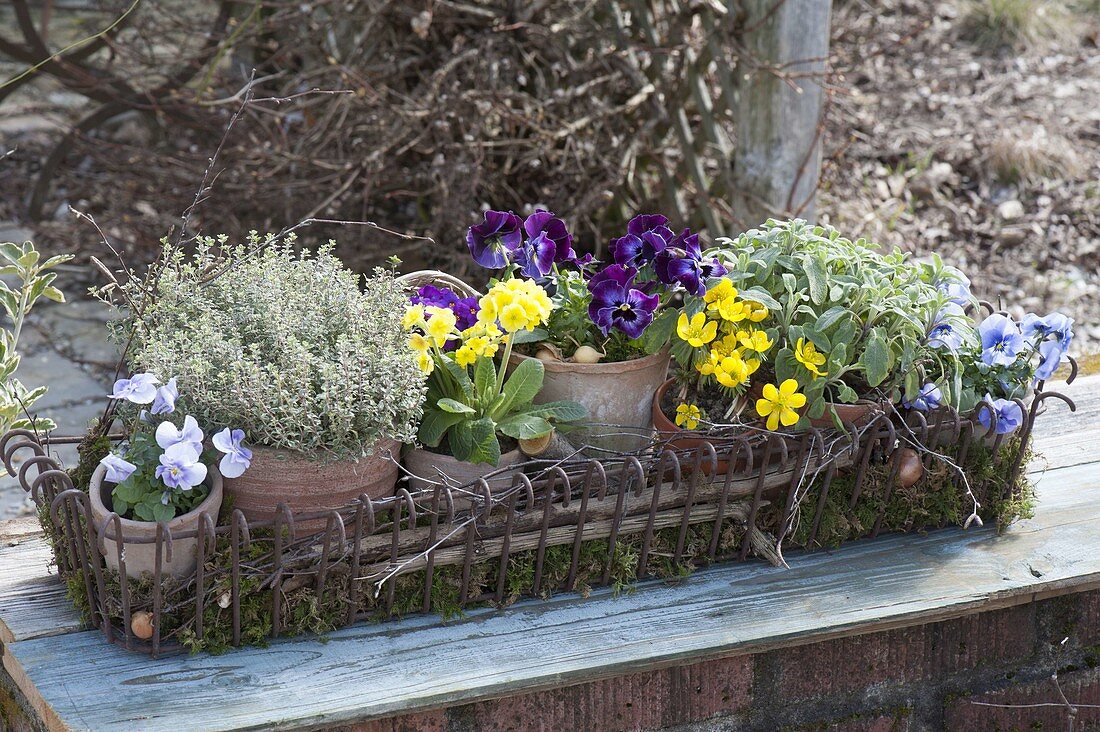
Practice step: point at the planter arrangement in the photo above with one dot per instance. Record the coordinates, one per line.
(299, 448)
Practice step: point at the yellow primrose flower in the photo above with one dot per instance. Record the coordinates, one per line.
(517, 305)
(441, 324)
(425, 362)
(757, 311)
(414, 316)
(724, 290)
(513, 317)
(418, 343)
(688, 416)
(696, 330)
(732, 371)
(779, 404)
(807, 354)
(754, 340)
(465, 356)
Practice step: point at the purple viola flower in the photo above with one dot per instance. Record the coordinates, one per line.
(947, 331)
(1008, 413)
(139, 388)
(180, 467)
(168, 434)
(1001, 340)
(464, 308)
(616, 303)
(165, 400)
(1051, 354)
(237, 457)
(682, 262)
(646, 235)
(494, 239)
(118, 469)
(535, 256)
(955, 285)
(1056, 324)
(930, 397)
(545, 224)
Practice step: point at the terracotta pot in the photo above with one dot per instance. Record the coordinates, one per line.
(616, 394)
(425, 467)
(305, 486)
(141, 557)
(679, 438)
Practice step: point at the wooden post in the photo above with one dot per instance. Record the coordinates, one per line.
(778, 157)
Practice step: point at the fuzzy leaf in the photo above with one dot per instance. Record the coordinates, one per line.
(525, 426)
(659, 332)
(830, 318)
(818, 279)
(454, 406)
(559, 411)
(876, 360)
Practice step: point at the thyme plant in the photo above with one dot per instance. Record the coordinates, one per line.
(286, 346)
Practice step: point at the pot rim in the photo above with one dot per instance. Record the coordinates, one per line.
(608, 367)
(283, 454)
(210, 504)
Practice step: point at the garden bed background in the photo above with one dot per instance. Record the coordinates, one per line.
(565, 525)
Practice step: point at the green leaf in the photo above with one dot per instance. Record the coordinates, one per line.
(757, 294)
(458, 373)
(559, 411)
(11, 251)
(529, 336)
(454, 406)
(659, 332)
(876, 360)
(524, 426)
(845, 393)
(52, 293)
(28, 259)
(476, 441)
(485, 380)
(818, 279)
(435, 424)
(9, 300)
(56, 260)
(521, 386)
(830, 318)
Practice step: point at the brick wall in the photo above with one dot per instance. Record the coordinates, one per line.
(939, 676)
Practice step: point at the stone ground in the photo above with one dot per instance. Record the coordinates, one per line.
(64, 346)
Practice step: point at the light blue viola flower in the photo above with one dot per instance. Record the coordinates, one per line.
(180, 467)
(1009, 415)
(1001, 340)
(118, 469)
(139, 388)
(1051, 354)
(929, 398)
(237, 457)
(165, 400)
(947, 331)
(168, 434)
(1056, 324)
(955, 285)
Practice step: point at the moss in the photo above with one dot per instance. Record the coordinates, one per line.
(91, 450)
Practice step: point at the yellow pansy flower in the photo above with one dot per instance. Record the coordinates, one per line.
(807, 354)
(688, 416)
(779, 404)
(754, 340)
(696, 330)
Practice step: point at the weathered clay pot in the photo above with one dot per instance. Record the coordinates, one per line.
(425, 466)
(139, 537)
(617, 395)
(280, 476)
(678, 438)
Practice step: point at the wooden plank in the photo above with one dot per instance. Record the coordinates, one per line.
(32, 598)
(79, 682)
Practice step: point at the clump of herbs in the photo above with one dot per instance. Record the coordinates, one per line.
(293, 348)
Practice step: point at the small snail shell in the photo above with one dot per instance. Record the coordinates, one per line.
(545, 354)
(910, 467)
(587, 354)
(141, 623)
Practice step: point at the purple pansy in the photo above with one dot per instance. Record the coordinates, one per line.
(616, 303)
(180, 467)
(682, 262)
(947, 331)
(118, 469)
(237, 457)
(1008, 413)
(165, 400)
(464, 308)
(494, 239)
(139, 388)
(646, 236)
(168, 434)
(930, 397)
(1001, 340)
(548, 242)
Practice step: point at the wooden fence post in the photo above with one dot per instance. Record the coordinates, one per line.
(778, 156)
